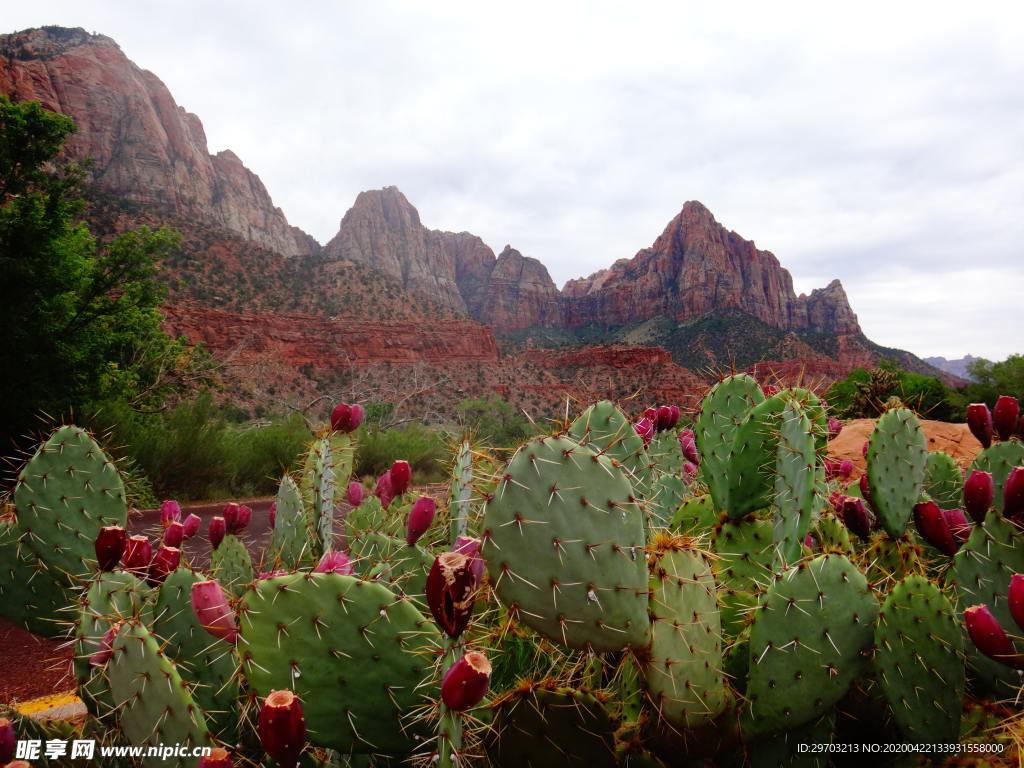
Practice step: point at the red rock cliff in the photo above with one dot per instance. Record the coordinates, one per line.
(145, 148)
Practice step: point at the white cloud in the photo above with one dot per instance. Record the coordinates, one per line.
(879, 144)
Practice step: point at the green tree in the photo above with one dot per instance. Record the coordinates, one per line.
(496, 421)
(79, 320)
(994, 379)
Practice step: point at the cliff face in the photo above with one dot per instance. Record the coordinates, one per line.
(695, 267)
(145, 148)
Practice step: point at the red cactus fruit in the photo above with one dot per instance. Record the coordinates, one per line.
(645, 428)
(231, 514)
(383, 490)
(989, 637)
(170, 511)
(8, 740)
(102, 654)
(272, 515)
(688, 445)
(676, 414)
(450, 589)
(355, 494)
(770, 390)
(335, 562)
(138, 551)
(282, 728)
(934, 528)
(110, 546)
(355, 418)
(855, 517)
(865, 489)
(1006, 416)
(401, 476)
(216, 530)
(165, 562)
(664, 418)
(191, 524)
(978, 491)
(958, 524)
(420, 517)
(471, 549)
(979, 421)
(651, 414)
(218, 758)
(465, 683)
(1015, 596)
(1013, 494)
(689, 472)
(864, 448)
(174, 534)
(340, 417)
(264, 575)
(835, 426)
(210, 605)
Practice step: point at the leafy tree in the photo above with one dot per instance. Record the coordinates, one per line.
(79, 320)
(495, 420)
(868, 393)
(992, 380)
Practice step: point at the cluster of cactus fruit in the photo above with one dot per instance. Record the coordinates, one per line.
(619, 592)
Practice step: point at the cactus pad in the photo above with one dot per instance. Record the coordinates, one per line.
(722, 410)
(684, 668)
(153, 703)
(355, 653)
(943, 480)
(604, 429)
(392, 561)
(897, 460)
(564, 543)
(919, 661)
(289, 542)
(794, 482)
(744, 567)
(808, 642)
(231, 565)
(695, 516)
(999, 459)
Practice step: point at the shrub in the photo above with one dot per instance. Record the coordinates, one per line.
(425, 448)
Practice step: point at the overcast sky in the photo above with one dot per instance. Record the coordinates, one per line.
(883, 146)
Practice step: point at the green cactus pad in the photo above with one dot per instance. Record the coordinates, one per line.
(564, 544)
(29, 595)
(919, 661)
(943, 481)
(110, 597)
(154, 706)
(289, 543)
(65, 493)
(695, 516)
(392, 561)
(886, 561)
(794, 482)
(231, 565)
(897, 461)
(461, 491)
(755, 450)
(355, 653)
(324, 486)
(665, 453)
(207, 662)
(668, 493)
(684, 668)
(981, 574)
(999, 459)
(342, 448)
(833, 535)
(371, 517)
(744, 567)
(605, 430)
(551, 728)
(808, 642)
(780, 750)
(722, 410)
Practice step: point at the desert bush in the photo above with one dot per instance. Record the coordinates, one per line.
(425, 448)
(865, 393)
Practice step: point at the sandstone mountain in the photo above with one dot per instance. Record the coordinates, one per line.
(289, 316)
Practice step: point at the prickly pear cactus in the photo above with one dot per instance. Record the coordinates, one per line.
(722, 410)
(833, 535)
(999, 459)
(355, 653)
(564, 544)
(897, 460)
(919, 661)
(695, 516)
(342, 448)
(668, 493)
(384, 558)
(371, 517)
(231, 565)
(683, 672)
(744, 566)
(794, 482)
(322, 507)
(289, 543)
(153, 703)
(755, 450)
(605, 430)
(545, 726)
(943, 480)
(29, 595)
(65, 493)
(810, 639)
(461, 490)
(981, 574)
(208, 663)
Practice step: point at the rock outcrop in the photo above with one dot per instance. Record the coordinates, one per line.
(144, 147)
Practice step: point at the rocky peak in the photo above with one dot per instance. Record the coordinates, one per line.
(519, 293)
(145, 148)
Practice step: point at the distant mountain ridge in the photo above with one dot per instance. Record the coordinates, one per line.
(956, 367)
(247, 278)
